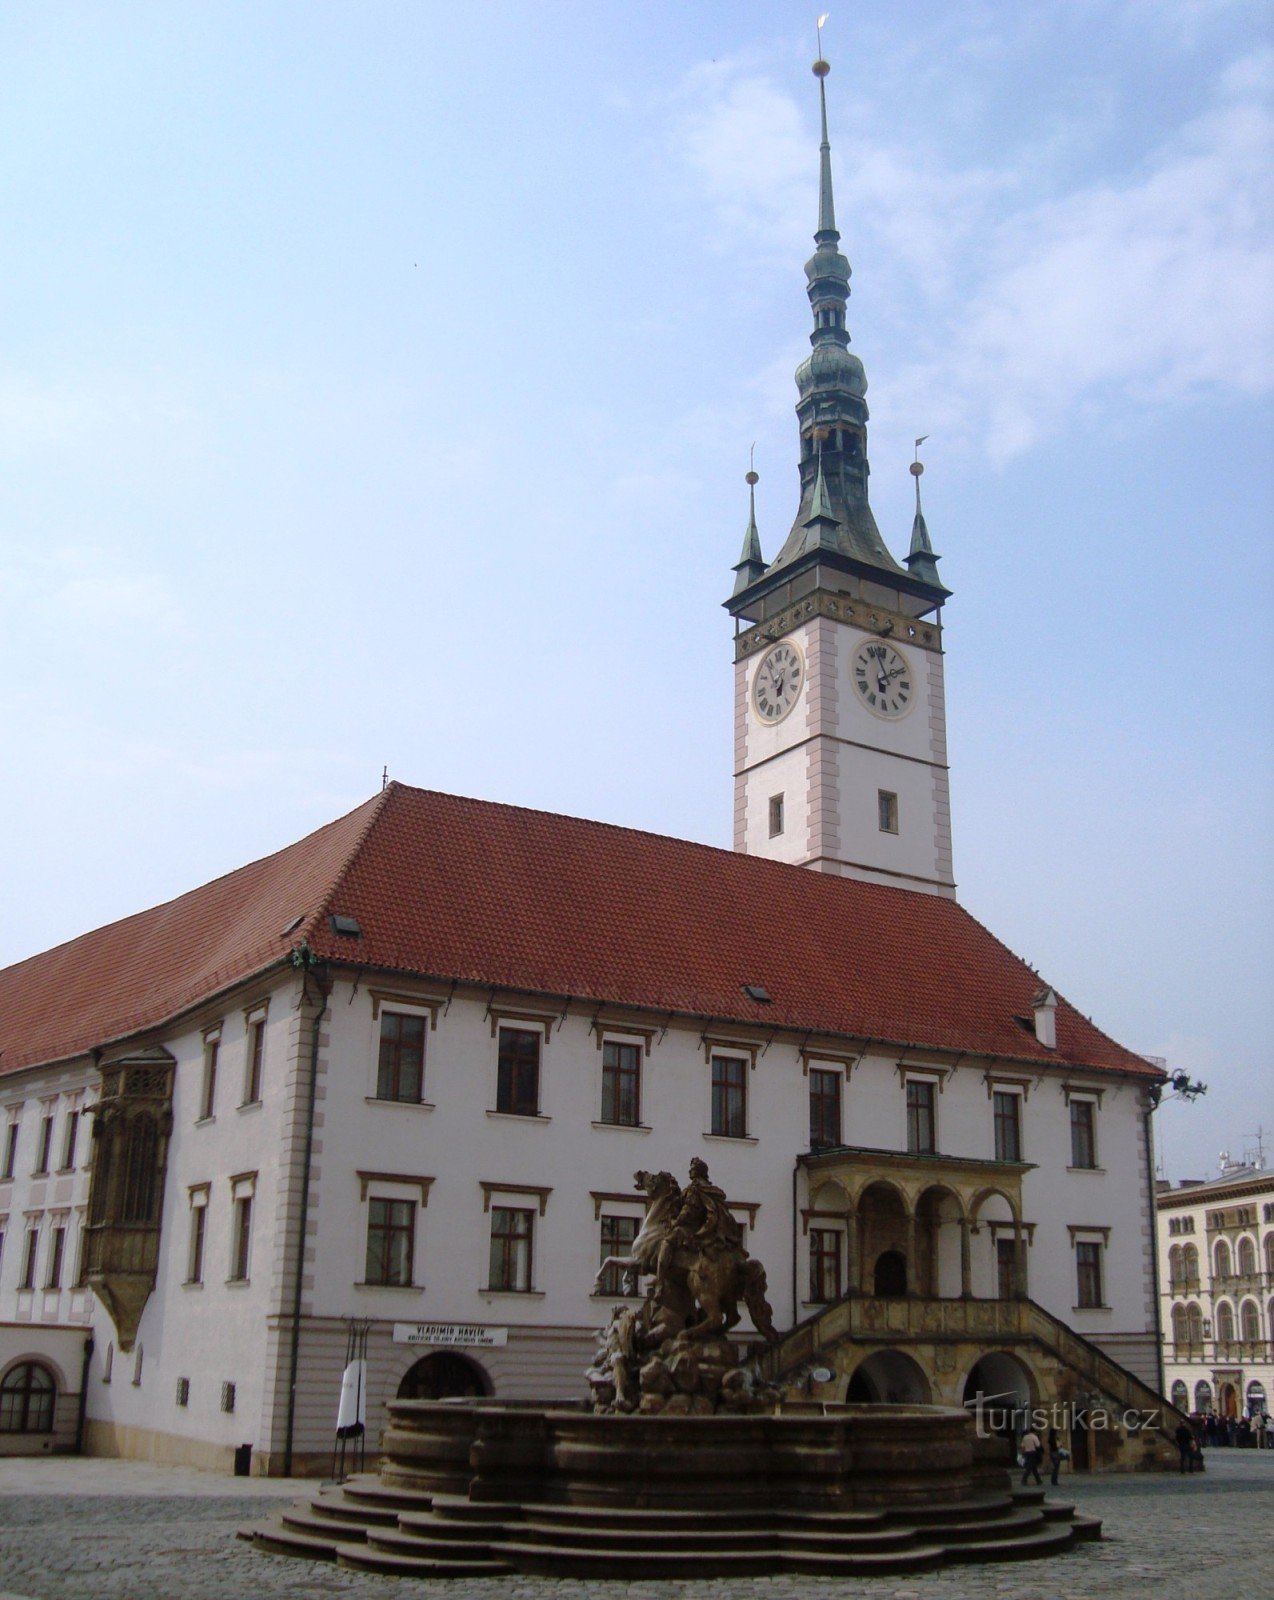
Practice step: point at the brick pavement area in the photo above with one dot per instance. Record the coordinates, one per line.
(113, 1530)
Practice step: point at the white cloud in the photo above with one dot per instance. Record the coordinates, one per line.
(1146, 287)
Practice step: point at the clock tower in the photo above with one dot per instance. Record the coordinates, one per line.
(839, 710)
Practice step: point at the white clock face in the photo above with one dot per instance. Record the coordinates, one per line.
(882, 679)
(777, 684)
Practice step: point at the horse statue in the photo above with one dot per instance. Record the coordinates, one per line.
(693, 1248)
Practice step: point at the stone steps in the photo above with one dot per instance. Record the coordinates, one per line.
(358, 1558)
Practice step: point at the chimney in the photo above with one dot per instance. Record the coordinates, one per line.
(1045, 1004)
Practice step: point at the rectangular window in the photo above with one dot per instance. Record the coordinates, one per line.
(391, 1242)
(27, 1280)
(183, 1391)
(256, 1058)
(511, 1248)
(825, 1265)
(400, 1074)
(57, 1251)
(1006, 1269)
(920, 1117)
(824, 1109)
(227, 1397)
(208, 1099)
(198, 1234)
(46, 1145)
(1083, 1140)
(1088, 1273)
(241, 1245)
(618, 1234)
(518, 1073)
(10, 1150)
(70, 1137)
(621, 1083)
(730, 1096)
(776, 815)
(1008, 1126)
(887, 804)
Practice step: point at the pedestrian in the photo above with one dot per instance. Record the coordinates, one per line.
(1031, 1451)
(1185, 1446)
(1269, 1431)
(1056, 1455)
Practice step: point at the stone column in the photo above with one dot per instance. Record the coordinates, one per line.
(912, 1276)
(966, 1261)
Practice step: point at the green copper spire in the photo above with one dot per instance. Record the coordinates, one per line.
(751, 564)
(832, 410)
(922, 562)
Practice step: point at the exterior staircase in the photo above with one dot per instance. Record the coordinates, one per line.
(1145, 1418)
(366, 1526)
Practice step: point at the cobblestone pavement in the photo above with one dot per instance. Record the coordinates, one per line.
(109, 1530)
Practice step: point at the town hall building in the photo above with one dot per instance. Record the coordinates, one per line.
(391, 1084)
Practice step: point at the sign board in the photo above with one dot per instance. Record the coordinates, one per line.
(472, 1334)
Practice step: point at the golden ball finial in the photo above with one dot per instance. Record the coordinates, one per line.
(916, 468)
(753, 477)
(821, 68)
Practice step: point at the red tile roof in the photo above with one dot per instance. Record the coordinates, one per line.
(497, 895)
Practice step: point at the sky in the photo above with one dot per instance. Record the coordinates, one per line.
(377, 385)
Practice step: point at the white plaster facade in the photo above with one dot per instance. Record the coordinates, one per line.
(831, 758)
(454, 1158)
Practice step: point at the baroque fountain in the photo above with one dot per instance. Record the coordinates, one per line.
(682, 1462)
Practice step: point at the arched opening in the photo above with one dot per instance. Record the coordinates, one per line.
(938, 1214)
(882, 1230)
(1269, 1254)
(1229, 1400)
(1190, 1261)
(28, 1394)
(1247, 1256)
(1256, 1399)
(1222, 1259)
(889, 1277)
(1180, 1395)
(888, 1378)
(1203, 1395)
(1176, 1270)
(1249, 1322)
(999, 1390)
(444, 1376)
(996, 1270)
(1225, 1322)
(1194, 1324)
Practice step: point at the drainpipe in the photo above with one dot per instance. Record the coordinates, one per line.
(1153, 1101)
(304, 959)
(83, 1406)
(795, 1242)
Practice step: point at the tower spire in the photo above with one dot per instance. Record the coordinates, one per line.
(751, 564)
(922, 562)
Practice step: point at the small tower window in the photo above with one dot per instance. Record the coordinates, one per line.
(887, 804)
(776, 815)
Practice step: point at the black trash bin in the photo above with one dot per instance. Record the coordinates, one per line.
(243, 1461)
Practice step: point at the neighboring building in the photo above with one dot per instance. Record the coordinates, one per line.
(398, 1075)
(1216, 1271)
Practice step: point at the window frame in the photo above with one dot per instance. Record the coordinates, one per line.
(616, 1076)
(827, 1092)
(1083, 1133)
(826, 1246)
(1006, 1116)
(1090, 1284)
(254, 1057)
(25, 1391)
(390, 1074)
(70, 1139)
(729, 1082)
(922, 1114)
(30, 1256)
(396, 1231)
(512, 1068)
(512, 1250)
(243, 1193)
(208, 1084)
(611, 1283)
(11, 1137)
(777, 818)
(41, 1168)
(886, 811)
(197, 1240)
(57, 1254)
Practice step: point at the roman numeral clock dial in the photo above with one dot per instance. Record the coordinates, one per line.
(777, 684)
(882, 679)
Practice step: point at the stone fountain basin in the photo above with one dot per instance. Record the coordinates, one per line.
(805, 1456)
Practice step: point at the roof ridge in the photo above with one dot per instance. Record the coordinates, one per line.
(375, 807)
(726, 852)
